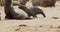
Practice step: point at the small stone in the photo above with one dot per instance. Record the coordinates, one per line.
(23, 25)
(41, 26)
(55, 17)
(17, 29)
(58, 27)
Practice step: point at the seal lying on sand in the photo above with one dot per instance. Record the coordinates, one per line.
(33, 11)
(10, 13)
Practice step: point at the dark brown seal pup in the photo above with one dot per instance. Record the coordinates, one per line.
(10, 12)
(32, 11)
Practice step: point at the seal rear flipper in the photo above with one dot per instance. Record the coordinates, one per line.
(24, 18)
(28, 18)
(7, 17)
(43, 14)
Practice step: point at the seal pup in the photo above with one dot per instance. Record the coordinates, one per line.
(32, 11)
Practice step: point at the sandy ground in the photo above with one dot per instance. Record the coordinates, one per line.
(49, 24)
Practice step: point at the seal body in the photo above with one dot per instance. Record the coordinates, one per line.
(10, 12)
(32, 11)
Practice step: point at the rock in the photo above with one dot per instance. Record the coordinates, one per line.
(44, 3)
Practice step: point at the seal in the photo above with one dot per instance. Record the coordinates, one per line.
(10, 12)
(32, 11)
(23, 2)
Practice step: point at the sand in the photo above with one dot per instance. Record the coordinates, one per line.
(49, 24)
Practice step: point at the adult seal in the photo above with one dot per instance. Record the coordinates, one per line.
(10, 12)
